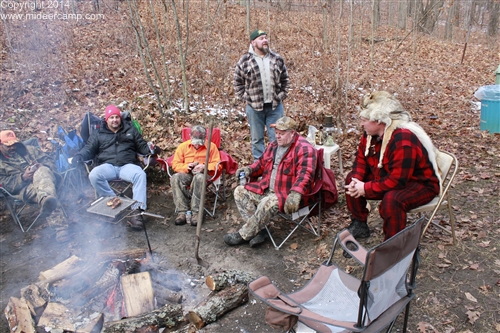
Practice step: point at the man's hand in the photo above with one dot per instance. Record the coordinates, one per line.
(77, 159)
(29, 172)
(246, 170)
(356, 188)
(191, 166)
(292, 202)
(199, 168)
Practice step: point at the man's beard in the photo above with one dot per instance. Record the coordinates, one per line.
(264, 49)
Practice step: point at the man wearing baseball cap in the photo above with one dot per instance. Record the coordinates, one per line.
(26, 173)
(116, 145)
(285, 172)
(261, 81)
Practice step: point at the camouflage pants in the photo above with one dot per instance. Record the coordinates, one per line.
(44, 184)
(255, 209)
(186, 189)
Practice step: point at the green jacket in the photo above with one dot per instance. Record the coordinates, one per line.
(11, 169)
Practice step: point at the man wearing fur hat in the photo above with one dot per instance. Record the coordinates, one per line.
(116, 145)
(395, 163)
(285, 172)
(261, 81)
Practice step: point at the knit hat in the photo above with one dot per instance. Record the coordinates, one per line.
(111, 110)
(8, 138)
(257, 33)
(285, 123)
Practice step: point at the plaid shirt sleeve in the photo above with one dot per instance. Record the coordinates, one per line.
(405, 160)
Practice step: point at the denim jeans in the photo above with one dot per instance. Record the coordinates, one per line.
(258, 121)
(132, 173)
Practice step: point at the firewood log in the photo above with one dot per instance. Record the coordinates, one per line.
(217, 304)
(36, 297)
(168, 316)
(165, 296)
(19, 316)
(231, 277)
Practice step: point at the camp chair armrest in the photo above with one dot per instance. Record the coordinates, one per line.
(351, 246)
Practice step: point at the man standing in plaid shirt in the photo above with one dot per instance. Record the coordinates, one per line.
(261, 81)
(395, 163)
(286, 171)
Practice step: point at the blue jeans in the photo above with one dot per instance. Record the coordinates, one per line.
(258, 121)
(132, 173)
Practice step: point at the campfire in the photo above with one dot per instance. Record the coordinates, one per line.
(121, 292)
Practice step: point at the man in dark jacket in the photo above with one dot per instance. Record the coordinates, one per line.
(26, 173)
(115, 146)
(286, 172)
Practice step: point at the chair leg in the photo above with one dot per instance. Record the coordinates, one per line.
(13, 213)
(452, 220)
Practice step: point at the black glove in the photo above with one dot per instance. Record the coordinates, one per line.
(292, 202)
(245, 170)
(77, 159)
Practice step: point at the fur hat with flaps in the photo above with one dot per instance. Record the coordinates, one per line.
(383, 107)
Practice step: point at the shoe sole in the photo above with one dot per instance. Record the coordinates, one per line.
(48, 206)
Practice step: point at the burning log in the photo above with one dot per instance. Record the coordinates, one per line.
(19, 316)
(229, 278)
(217, 304)
(60, 271)
(168, 316)
(56, 316)
(123, 254)
(138, 293)
(93, 326)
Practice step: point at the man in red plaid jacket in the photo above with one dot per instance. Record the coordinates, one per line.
(395, 163)
(286, 171)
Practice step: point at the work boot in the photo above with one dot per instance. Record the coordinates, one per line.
(359, 229)
(47, 205)
(259, 238)
(194, 220)
(233, 238)
(181, 219)
(135, 220)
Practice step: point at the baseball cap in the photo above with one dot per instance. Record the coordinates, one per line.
(257, 33)
(285, 123)
(8, 138)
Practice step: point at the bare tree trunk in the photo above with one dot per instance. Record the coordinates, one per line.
(375, 14)
(402, 13)
(448, 31)
(140, 49)
(182, 58)
(493, 23)
(166, 98)
(248, 16)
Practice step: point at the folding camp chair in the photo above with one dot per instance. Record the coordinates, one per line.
(315, 203)
(335, 301)
(16, 206)
(448, 166)
(217, 183)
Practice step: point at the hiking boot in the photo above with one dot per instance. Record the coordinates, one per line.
(135, 220)
(259, 239)
(359, 229)
(181, 219)
(47, 205)
(233, 238)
